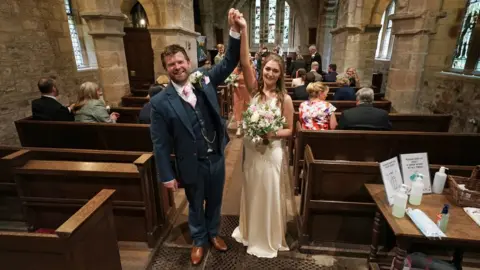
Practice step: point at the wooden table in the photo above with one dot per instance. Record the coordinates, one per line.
(462, 231)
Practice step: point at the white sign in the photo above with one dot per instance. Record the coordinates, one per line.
(391, 176)
(413, 164)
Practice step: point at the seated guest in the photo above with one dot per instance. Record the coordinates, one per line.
(144, 116)
(365, 116)
(296, 65)
(353, 77)
(221, 54)
(300, 92)
(345, 92)
(90, 108)
(47, 108)
(300, 80)
(316, 113)
(318, 77)
(332, 74)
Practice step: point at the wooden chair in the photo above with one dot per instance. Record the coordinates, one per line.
(84, 240)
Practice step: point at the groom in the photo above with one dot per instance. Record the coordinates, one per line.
(186, 121)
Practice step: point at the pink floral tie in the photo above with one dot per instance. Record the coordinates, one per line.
(189, 96)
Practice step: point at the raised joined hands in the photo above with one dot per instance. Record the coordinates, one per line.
(236, 20)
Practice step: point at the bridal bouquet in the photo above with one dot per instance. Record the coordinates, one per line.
(261, 119)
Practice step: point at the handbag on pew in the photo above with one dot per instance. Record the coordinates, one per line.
(420, 261)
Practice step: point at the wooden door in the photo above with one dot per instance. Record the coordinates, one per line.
(139, 54)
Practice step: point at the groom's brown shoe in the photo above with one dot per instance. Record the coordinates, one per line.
(219, 244)
(197, 255)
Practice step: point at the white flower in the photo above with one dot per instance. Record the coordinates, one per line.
(195, 77)
(255, 117)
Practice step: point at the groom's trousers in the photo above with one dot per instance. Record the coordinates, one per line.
(204, 222)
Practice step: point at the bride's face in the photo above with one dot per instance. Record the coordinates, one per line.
(271, 73)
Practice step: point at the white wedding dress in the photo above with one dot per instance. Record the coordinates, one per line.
(265, 196)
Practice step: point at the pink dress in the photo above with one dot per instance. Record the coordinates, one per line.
(315, 115)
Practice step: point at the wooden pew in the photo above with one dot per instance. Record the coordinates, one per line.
(43, 176)
(128, 115)
(345, 105)
(134, 101)
(139, 92)
(376, 97)
(335, 207)
(400, 122)
(86, 240)
(10, 206)
(442, 148)
(100, 136)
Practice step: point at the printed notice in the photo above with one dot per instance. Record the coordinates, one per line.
(391, 176)
(413, 164)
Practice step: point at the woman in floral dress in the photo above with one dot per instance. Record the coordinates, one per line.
(316, 113)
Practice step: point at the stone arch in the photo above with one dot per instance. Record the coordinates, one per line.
(378, 10)
(150, 6)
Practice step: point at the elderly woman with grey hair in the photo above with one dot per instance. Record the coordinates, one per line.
(345, 92)
(365, 116)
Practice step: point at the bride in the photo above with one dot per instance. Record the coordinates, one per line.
(266, 187)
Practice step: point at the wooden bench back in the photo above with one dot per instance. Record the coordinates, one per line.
(10, 206)
(410, 122)
(49, 185)
(335, 206)
(128, 115)
(100, 136)
(85, 240)
(442, 148)
(345, 105)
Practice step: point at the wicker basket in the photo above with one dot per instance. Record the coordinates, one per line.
(470, 196)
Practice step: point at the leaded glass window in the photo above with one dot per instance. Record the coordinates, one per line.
(272, 16)
(77, 47)
(385, 38)
(256, 30)
(465, 39)
(270, 12)
(286, 24)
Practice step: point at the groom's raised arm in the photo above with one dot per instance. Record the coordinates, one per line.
(222, 70)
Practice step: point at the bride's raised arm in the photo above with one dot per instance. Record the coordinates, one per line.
(247, 69)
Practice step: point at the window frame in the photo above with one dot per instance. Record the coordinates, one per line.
(264, 28)
(383, 32)
(473, 55)
(72, 26)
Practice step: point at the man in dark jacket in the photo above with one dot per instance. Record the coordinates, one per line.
(365, 116)
(144, 116)
(332, 74)
(47, 108)
(300, 92)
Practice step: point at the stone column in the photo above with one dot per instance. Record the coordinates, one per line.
(206, 15)
(106, 29)
(413, 23)
(326, 22)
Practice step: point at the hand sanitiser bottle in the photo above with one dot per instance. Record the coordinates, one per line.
(400, 202)
(439, 181)
(417, 190)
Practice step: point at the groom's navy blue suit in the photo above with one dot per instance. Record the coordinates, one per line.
(180, 128)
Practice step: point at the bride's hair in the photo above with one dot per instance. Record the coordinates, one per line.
(280, 85)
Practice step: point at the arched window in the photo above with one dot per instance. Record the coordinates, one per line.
(82, 43)
(466, 56)
(139, 16)
(276, 14)
(385, 37)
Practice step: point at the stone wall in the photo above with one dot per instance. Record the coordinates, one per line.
(446, 92)
(34, 42)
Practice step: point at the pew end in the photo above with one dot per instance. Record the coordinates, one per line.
(86, 240)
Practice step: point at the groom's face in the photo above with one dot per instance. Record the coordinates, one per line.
(178, 67)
